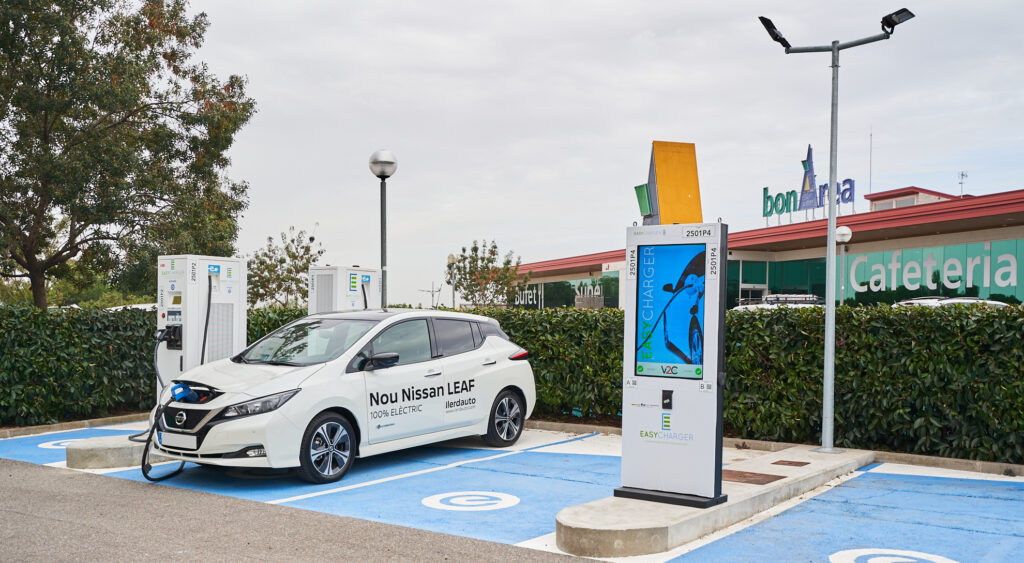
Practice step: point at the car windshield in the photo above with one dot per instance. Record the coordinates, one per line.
(305, 342)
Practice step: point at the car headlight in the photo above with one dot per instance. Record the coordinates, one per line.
(258, 406)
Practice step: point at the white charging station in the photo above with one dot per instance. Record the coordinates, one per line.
(673, 364)
(201, 302)
(341, 288)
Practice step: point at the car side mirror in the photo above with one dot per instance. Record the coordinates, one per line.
(671, 288)
(382, 360)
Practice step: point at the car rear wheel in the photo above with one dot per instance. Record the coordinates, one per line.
(327, 447)
(506, 422)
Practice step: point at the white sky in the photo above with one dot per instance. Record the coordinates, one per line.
(530, 122)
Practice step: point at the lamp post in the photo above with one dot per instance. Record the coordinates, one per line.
(889, 23)
(383, 164)
(451, 275)
(843, 236)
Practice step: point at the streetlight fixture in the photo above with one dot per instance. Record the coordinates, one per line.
(383, 164)
(451, 275)
(889, 23)
(843, 236)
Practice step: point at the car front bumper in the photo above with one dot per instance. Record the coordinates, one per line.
(234, 443)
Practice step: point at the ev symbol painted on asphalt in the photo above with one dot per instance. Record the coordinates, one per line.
(471, 500)
(58, 444)
(879, 555)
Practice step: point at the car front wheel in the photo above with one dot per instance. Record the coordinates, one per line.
(506, 422)
(327, 448)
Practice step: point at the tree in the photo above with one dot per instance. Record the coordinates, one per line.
(107, 129)
(277, 274)
(480, 279)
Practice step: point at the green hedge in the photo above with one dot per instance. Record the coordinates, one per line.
(576, 356)
(68, 364)
(945, 381)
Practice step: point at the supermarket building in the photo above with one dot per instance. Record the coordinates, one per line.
(912, 242)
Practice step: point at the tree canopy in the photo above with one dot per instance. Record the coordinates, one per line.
(113, 139)
(482, 277)
(279, 274)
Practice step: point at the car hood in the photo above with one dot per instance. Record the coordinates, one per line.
(249, 379)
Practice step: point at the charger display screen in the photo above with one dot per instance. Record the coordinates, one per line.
(670, 311)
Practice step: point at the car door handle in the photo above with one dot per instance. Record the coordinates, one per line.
(490, 362)
(433, 373)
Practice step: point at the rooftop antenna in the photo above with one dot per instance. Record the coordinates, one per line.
(962, 175)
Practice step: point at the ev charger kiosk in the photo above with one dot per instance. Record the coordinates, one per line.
(673, 364)
(340, 288)
(201, 304)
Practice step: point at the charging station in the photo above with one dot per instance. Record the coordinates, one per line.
(202, 309)
(673, 364)
(340, 288)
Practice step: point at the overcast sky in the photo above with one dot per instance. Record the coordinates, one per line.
(529, 122)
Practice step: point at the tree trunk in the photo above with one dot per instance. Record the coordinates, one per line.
(38, 280)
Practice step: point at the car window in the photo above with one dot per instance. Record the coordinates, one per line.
(453, 337)
(409, 339)
(492, 329)
(308, 341)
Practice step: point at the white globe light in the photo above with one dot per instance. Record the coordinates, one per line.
(843, 234)
(383, 163)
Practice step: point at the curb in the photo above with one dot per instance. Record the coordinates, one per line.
(991, 467)
(75, 425)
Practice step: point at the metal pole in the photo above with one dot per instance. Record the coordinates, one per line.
(828, 391)
(383, 245)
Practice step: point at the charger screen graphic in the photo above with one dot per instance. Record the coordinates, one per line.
(670, 311)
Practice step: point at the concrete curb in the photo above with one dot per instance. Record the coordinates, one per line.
(74, 425)
(623, 527)
(991, 467)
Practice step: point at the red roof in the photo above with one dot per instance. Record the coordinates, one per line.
(909, 190)
(951, 216)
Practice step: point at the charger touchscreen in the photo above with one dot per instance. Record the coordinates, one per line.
(670, 311)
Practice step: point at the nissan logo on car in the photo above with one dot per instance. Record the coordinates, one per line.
(179, 418)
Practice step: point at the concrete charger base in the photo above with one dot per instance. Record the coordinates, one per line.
(622, 527)
(106, 452)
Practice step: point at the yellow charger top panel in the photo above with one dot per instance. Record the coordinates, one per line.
(674, 177)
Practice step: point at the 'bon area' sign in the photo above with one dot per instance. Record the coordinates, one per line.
(673, 296)
(810, 196)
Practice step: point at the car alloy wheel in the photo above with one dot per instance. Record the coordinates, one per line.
(330, 447)
(506, 422)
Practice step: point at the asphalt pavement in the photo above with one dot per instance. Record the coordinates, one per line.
(49, 514)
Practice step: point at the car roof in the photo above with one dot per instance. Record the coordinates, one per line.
(382, 314)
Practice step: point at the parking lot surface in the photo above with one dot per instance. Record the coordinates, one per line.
(511, 496)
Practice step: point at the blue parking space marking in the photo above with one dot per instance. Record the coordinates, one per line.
(49, 448)
(959, 519)
(267, 485)
(869, 467)
(479, 493)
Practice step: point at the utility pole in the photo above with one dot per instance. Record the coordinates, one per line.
(433, 292)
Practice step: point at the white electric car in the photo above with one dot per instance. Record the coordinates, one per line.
(327, 388)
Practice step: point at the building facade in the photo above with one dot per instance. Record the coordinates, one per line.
(913, 242)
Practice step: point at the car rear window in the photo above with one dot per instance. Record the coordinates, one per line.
(454, 337)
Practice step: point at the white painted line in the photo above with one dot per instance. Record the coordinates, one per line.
(421, 472)
(392, 478)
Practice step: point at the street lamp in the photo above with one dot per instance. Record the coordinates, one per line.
(843, 236)
(451, 275)
(383, 164)
(889, 23)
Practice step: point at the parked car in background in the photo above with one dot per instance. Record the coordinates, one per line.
(941, 301)
(776, 300)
